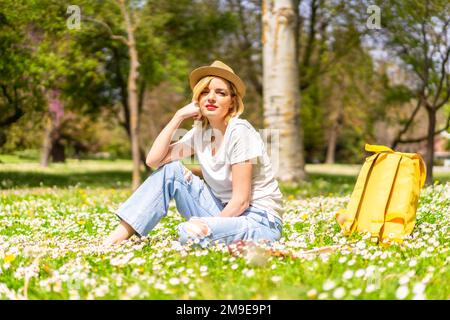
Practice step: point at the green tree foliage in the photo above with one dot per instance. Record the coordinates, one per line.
(19, 87)
(89, 67)
(342, 87)
(417, 33)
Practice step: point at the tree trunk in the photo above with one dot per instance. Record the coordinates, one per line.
(58, 150)
(429, 159)
(331, 147)
(47, 143)
(133, 97)
(333, 133)
(52, 145)
(281, 89)
(124, 98)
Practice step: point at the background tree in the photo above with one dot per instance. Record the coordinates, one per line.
(418, 33)
(281, 90)
(19, 88)
(349, 95)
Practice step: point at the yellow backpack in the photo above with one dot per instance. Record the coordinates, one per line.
(385, 197)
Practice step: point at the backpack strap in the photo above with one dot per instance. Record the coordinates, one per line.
(347, 218)
(423, 170)
(378, 218)
(384, 194)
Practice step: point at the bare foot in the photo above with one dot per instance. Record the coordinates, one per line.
(123, 232)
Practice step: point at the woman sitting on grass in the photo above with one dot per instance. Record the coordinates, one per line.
(239, 198)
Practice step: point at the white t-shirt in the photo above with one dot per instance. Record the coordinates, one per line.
(241, 142)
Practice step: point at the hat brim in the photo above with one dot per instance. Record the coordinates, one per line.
(205, 71)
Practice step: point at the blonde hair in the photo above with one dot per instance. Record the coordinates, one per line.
(238, 105)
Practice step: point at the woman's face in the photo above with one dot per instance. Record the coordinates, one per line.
(215, 100)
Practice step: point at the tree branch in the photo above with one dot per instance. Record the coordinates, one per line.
(108, 29)
(444, 100)
(408, 124)
(306, 82)
(245, 46)
(311, 35)
(447, 125)
(444, 75)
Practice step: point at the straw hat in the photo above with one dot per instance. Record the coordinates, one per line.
(219, 69)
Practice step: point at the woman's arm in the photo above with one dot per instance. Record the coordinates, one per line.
(162, 151)
(241, 175)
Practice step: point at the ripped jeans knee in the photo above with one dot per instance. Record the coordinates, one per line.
(195, 230)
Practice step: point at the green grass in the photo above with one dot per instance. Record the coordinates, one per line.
(52, 221)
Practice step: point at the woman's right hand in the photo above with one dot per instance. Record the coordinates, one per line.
(190, 110)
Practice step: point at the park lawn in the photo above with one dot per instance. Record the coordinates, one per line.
(53, 220)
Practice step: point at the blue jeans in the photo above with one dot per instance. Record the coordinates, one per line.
(194, 200)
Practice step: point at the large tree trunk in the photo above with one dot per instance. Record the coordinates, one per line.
(281, 88)
(133, 97)
(430, 144)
